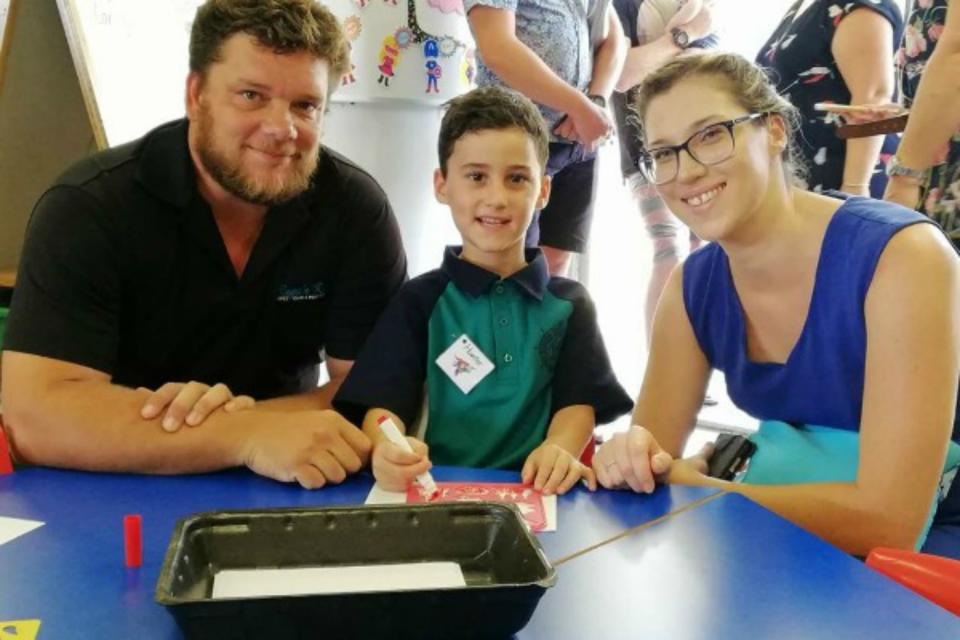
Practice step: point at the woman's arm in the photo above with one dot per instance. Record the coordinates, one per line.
(912, 363)
(675, 381)
(862, 48)
(935, 114)
(672, 393)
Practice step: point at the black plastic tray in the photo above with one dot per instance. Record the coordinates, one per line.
(505, 569)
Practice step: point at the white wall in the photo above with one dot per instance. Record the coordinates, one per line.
(397, 143)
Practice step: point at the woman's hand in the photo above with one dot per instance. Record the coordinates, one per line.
(633, 458)
(691, 471)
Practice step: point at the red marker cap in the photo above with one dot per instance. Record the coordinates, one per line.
(133, 541)
(6, 464)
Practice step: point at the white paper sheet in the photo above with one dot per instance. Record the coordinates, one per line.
(240, 583)
(380, 496)
(11, 528)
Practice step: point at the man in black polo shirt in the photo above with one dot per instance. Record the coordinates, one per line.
(229, 249)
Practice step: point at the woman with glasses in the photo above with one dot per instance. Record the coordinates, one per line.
(836, 323)
(837, 51)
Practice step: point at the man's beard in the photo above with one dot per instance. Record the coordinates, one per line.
(229, 173)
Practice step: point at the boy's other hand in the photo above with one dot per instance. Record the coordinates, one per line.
(552, 469)
(633, 458)
(394, 468)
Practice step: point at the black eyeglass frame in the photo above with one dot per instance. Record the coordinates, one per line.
(645, 162)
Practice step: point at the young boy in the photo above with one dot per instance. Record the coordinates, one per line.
(515, 370)
(566, 56)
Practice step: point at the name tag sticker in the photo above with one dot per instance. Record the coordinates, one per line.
(465, 364)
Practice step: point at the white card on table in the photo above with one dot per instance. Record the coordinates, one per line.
(247, 583)
(11, 528)
(465, 364)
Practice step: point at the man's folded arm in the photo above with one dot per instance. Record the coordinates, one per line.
(66, 415)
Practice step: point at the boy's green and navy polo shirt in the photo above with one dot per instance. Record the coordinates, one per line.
(539, 332)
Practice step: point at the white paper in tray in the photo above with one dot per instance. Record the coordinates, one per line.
(246, 583)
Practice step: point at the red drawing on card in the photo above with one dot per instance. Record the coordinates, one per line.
(528, 500)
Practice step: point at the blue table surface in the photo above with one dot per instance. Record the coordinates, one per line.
(70, 574)
(730, 569)
(723, 569)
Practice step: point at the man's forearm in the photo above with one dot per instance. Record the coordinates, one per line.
(96, 426)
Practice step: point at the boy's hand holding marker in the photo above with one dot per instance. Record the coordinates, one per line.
(552, 469)
(398, 461)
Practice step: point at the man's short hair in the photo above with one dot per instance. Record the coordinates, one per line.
(488, 108)
(283, 26)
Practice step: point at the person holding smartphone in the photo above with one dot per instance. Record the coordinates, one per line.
(827, 51)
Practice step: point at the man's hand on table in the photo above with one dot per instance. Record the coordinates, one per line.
(313, 448)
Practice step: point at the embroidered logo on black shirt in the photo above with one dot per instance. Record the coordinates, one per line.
(301, 293)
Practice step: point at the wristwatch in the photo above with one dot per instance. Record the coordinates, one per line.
(897, 170)
(680, 37)
(598, 100)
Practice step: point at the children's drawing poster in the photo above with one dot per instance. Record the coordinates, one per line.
(418, 50)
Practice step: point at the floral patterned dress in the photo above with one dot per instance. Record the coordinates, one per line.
(799, 59)
(940, 196)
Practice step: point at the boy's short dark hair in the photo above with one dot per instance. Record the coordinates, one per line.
(283, 26)
(491, 108)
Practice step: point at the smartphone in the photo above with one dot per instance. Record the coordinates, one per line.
(730, 455)
(858, 108)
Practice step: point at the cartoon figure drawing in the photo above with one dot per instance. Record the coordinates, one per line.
(468, 67)
(434, 71)
(389, 52)
(351, 28)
